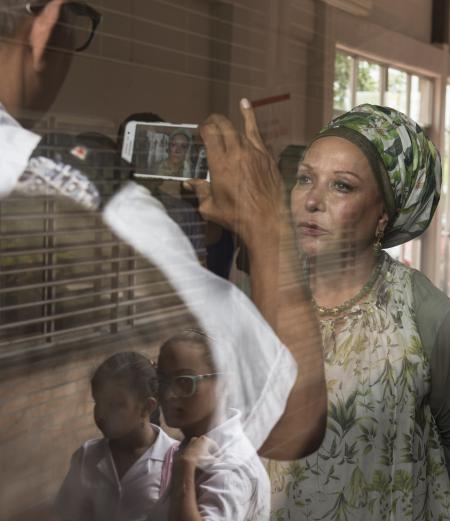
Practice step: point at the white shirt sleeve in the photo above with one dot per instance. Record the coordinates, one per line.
(16, 147)
(229, 495)
(243, 343)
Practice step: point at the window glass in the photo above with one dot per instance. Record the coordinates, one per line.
(342, 82)
(396, 93)
(368, 88)
(445, 243)
(116, 96)
(420, 103)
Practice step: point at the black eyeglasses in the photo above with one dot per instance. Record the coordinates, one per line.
(182, 386)
(79, 18)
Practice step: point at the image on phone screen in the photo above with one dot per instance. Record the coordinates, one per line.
(165, 151)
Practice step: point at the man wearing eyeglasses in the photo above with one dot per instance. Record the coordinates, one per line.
(37, 42)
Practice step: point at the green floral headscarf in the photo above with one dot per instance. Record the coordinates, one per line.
(406, 164)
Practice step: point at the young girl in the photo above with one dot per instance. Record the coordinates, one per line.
(216, 473)
(118, 477)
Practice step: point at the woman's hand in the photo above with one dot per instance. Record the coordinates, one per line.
(245, 194)
(199, 452)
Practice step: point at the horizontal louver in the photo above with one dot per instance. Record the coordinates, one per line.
(65, 277)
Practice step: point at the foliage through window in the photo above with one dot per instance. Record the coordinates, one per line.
(359, 80)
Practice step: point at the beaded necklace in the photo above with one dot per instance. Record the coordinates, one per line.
(345, 306)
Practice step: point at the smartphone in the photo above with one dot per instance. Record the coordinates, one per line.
(165, 151)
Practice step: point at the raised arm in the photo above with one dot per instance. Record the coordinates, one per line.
(279, 292)
(246, 195)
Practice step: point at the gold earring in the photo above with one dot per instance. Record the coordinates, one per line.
(378, 239)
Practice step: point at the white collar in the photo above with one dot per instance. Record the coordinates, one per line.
(228, 431)
(16, 146)
(156, 452)
(161, 445)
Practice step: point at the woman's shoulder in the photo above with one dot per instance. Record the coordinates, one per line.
(430, 305)
(425, 293)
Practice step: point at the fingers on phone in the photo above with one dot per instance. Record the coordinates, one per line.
(202, 191)
(230, 135)
(221, 129)
(190, 185)
(200, 187)
(213, 140)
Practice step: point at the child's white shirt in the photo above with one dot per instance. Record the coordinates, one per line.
(92, 491)
(235, 487)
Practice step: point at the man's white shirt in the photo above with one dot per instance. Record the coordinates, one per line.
(16, 146)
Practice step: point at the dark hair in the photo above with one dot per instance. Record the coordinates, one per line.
(146, 117)
(193, 336)
(288, 162)
(134, 368)
(97, 141)
(12, 13)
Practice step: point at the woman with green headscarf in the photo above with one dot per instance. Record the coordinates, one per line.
(371, 179)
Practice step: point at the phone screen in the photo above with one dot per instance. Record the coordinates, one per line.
(165, 151)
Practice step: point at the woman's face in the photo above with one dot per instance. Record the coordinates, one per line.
(192, 414)
(178, 147)
(336, 203)
(118, 411)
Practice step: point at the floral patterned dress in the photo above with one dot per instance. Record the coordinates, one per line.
(381, 458)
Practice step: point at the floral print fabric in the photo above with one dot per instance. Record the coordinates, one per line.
(381, 458)
(411, 163)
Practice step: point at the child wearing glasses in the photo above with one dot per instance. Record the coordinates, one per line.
(118, 476)
(216, 473)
